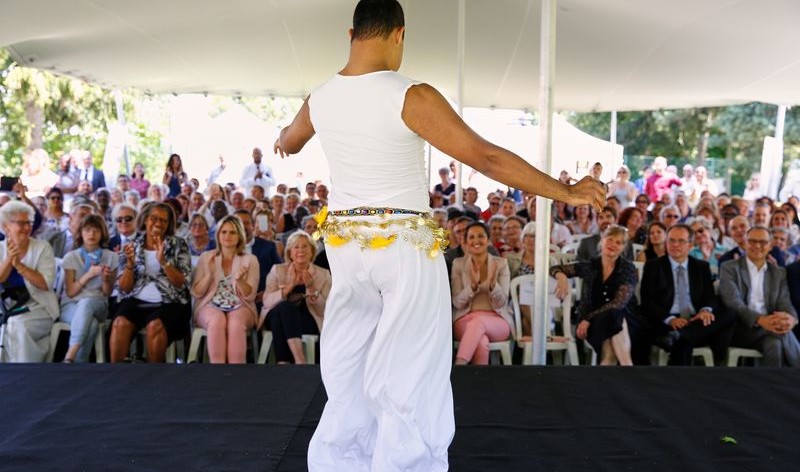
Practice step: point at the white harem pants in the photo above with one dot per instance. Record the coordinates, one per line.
(386, 353)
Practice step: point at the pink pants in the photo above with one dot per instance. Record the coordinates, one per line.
(227, 334)
(475, 331)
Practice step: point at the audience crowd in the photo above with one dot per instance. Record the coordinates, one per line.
(669, 263)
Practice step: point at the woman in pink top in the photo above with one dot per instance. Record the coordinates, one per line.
(225, 284)
(480, 284)
(138, 182)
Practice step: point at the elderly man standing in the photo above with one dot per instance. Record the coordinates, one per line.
(757, 293)
(257, 173)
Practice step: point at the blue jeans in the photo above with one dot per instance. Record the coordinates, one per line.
(84, 317)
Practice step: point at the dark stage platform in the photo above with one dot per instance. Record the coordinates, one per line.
(139, 417)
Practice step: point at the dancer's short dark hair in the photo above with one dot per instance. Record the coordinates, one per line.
(376, 18)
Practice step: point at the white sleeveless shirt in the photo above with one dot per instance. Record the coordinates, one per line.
(375, 159)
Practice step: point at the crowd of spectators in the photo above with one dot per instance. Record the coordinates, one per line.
(159, 255)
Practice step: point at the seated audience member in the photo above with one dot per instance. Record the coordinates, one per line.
(225, 285)
(756, 292)
(613, 202)
(780, 238)
(294, 299)
(588, 247)
(677, 295)
(608, 299)
(562, 213)
(633, 220)
(780, 219)
(655, 245)
(706, 248)
(584, 222)
(737, 229)
(669, 216)
(480, 285)
(64, 241)
(439, 214)
(508, 207)
(762, 212)
(456, 250)
(494, 207)
(153, 283)
(199, 240)
(793, 281)
(512, 236)
(89, 274)
(266, 253)
(495, 226)
(642, 202)
(181, 224)
(124, 217)
(55, 218)
(471, 201)
(131, 197)
(27, 272)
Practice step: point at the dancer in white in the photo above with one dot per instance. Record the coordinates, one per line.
(386, 342)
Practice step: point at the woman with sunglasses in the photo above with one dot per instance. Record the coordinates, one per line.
(622, 187)
(706, 248)
(55, 217)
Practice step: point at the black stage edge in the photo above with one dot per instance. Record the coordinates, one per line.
(260, 418)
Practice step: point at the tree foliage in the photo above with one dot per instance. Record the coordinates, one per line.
(733, 134)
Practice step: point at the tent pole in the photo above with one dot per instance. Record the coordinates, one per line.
(462, 42)
(775, 181)
(547, 58)
(613, 137)
(122, 123)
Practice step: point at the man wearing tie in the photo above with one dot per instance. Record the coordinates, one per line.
(89, 173)
(757, 293)
(678, 298)
(257, 174)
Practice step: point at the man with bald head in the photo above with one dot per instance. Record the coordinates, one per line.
(257, 173)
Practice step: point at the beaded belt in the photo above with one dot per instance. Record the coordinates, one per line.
(367, 211)
(419, 229)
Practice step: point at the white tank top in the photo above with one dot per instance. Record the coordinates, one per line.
(374, 159)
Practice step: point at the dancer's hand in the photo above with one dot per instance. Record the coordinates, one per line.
(587, 192)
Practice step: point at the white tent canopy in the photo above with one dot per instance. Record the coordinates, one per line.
(612, 54)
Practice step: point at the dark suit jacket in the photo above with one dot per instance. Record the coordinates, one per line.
(98, 179)
(658, 288)
(774, 252)
(114, 241)
(734, 290)
(793, 279)
(267, 254)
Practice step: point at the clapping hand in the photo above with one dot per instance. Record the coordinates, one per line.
(159, 247)
(130, 253)
(242, 274)
(108, 274)
(95, 270)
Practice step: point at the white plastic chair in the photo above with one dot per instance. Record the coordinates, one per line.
(567, 345)
(309, 346)
(737, 353)
(704, 353)
(199, 335)
(99, 341)
(571, 248)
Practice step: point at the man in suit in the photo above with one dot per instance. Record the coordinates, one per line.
(793, 280)
(587, 249)
(737, 229)
(757, 293)
(90, 173)
(678, 299)
(265, 251)
(124, 218)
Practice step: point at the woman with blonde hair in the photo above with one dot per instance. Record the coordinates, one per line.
(607, 298)
(622, 187)
(225, 285)
(294, 299)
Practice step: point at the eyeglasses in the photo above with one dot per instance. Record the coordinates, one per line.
(55, 197)
(672, 216)
(700, 230)
(758, 242)
(22, 223)
(156, 219)
(641, 201)
(124, 219)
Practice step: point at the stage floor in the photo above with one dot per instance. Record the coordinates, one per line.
(100, 417)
